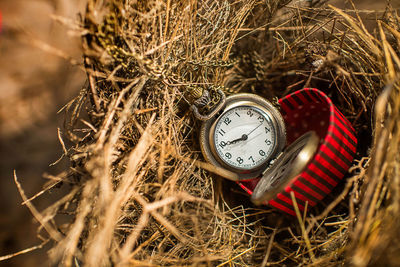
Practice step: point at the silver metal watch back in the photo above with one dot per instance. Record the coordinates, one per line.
(287, 166)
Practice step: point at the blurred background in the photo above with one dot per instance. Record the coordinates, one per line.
(35, 82)
(37, 78)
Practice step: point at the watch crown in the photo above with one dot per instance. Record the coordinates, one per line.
(194, 92)
(205, 102)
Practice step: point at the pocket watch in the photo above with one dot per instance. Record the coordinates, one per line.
(245, 137)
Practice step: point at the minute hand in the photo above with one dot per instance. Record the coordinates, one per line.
(254, 129)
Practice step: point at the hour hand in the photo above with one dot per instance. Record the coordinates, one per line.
(242, 138)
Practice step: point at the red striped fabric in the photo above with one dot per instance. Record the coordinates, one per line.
(311, 110)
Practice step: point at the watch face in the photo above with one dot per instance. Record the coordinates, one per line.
(244, 137)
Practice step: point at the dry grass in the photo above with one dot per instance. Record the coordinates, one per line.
(138, 196)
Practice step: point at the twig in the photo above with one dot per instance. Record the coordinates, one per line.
(54, 234)
(9, 256)
(302, 227)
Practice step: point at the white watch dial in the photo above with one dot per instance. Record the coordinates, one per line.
(244, 137)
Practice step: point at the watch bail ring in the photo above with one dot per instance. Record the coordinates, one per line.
(312, 110)
(213, 112)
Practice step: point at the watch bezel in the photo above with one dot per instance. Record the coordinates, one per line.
(243, 99)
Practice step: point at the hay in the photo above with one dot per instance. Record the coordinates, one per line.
(138, 195)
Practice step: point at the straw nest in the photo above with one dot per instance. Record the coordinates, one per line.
(139, 190)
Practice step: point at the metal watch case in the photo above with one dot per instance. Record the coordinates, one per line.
(244, 99)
